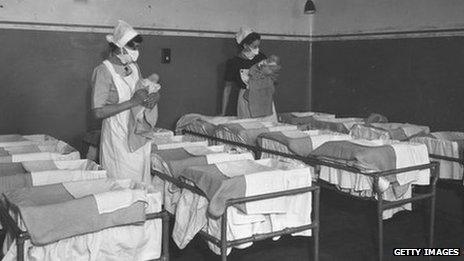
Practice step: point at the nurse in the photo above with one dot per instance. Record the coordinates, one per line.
(236, 76)
(113, 95)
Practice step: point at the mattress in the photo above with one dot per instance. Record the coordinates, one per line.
(239, 179)
(372, 156)
(92, 239)
(449, 144)
(394, 131)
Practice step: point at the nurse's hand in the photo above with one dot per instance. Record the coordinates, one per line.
(152, 100)
(139, 97)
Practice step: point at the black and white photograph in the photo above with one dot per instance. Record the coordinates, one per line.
(231, 130)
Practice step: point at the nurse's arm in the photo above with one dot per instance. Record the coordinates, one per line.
(225, 97)
(113, 109)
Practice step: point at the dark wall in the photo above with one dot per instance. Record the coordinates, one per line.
(45, 78)
(408, 80)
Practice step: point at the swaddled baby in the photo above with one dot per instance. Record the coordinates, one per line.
(142, 120)
(151, 83)
(270, 66)
(261, 86)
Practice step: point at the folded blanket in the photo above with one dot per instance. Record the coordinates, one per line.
(20, 140)
(34, 173)
(299, 118)
(249, 131)
(141, 124)
(261, 92)
(210, 122)
(179, 159)
(178, 141)
(342, 125)
(11, 138)
(17, 180)
(299, 144)
(219, 186)
(40, 165)
(49, 150)
(50, 213)
(3, 152)
(223, 181)
(302, 142)
(11, 168)
(376, 158)
(47, 165)
(46, 177)
(29, 149)
(395, 131)
(380, 156)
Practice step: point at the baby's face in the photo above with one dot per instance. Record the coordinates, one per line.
(153, 78)
(271, 65)
(273, 59)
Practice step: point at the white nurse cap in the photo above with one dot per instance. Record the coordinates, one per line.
(122, 34)
(242, 34)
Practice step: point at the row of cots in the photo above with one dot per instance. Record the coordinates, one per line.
(57, 204)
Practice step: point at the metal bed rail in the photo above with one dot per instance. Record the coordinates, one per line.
(223, 243)
(382, 204)
(20, 236)
(446, 158)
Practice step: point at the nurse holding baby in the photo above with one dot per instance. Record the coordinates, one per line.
(249, 66)
(118, 88)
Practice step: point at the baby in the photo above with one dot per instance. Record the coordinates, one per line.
(270, 66)
(151, 83)
(142, 120)
(260, 93)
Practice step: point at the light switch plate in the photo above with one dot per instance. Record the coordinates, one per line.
(165, 55)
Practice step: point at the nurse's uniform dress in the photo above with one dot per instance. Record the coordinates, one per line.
(111, 85)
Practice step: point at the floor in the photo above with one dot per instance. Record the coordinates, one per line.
(347, 233)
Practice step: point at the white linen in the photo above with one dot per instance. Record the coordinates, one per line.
(444, 145)
(41, 178)
(178, 142)
(138, 243)
(44, 156)
(407, 154)
(111, 201)
(191, 215)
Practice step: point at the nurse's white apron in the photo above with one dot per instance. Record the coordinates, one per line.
(115, 155)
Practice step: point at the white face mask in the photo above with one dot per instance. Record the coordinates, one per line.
(134, 54)
(130, 56)
(251, 53)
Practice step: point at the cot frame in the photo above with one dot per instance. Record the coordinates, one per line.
(382, 204)
(456, 160)
(223, 243)
(20, 236)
